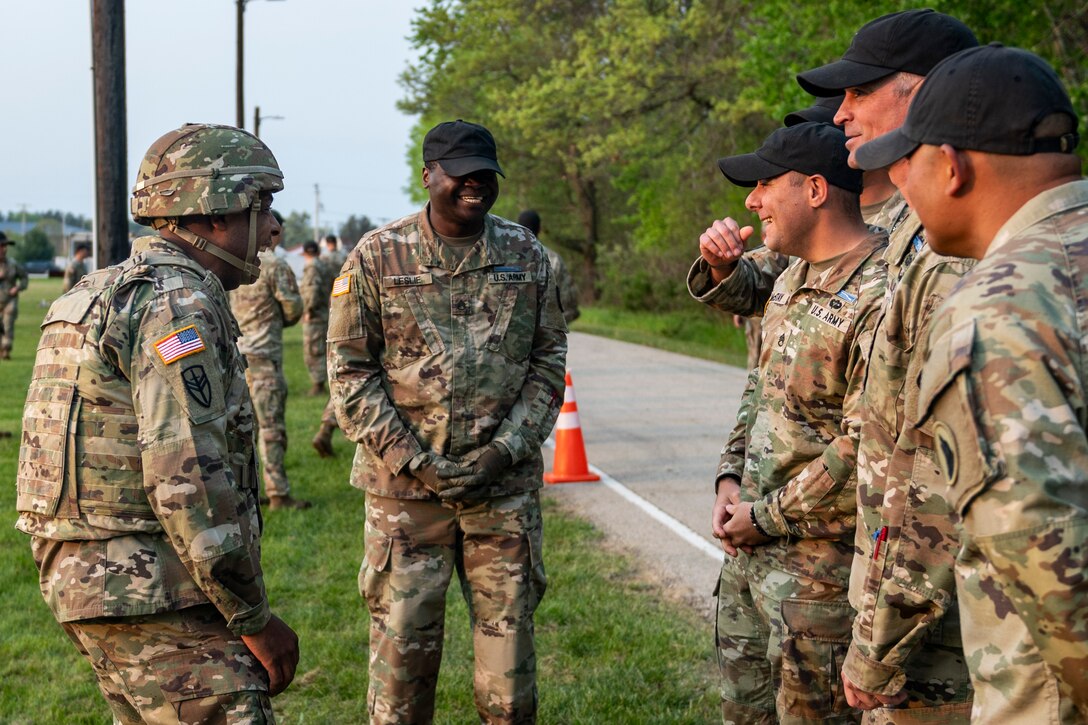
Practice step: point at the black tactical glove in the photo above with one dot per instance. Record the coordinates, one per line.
(480, 467)
(432, 469)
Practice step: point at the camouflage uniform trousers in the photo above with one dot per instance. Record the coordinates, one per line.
(781, 640)
(412, 549)
(1013, 686)
(313, 348)
(268, 388)
(7, 323)
(176, 667)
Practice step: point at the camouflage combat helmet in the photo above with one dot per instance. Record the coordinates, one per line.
(206, 169)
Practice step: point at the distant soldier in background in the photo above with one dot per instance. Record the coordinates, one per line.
(263, 309)
(77, 268)
(334, 256)
(148, 536)
(568, 292)
(316, 285)
(13, 280)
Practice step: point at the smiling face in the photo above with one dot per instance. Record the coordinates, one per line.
(459, 204)
(781, 206)
(874, 109)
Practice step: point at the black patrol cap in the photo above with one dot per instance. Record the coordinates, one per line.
(913, 41)
(4, 239)
(982, 99)
(461, 148)
(822, 111)
(810, 148)
(310, 247)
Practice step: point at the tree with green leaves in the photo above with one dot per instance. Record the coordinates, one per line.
(354, 228)
(34, 246)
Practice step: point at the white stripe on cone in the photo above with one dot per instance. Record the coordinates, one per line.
(568, 421)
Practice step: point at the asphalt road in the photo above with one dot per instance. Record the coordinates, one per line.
(654, 422)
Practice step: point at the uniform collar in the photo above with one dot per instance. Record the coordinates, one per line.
(835, 277)
(485, 254)
(1040, 207)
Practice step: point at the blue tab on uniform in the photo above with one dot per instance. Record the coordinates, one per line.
(918, 242)
(846, 296)
(507, 269)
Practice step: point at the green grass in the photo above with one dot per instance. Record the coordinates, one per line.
(698, 332)
(611, 649)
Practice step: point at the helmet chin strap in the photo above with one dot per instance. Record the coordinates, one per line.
(248, 267)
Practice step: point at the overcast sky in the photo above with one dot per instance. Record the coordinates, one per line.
(329, 67)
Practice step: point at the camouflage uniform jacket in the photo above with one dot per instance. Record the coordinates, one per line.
(568, 293)
(902, 582)
(795, 443)
(335, 260)
(425, 358)
(265, 307)
(75, 271)
(136, 473)
(315, 288)
(12, 274)
(746, 290)
(1004, 391)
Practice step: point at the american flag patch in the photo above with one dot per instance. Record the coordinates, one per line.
(177, 345)
(342, 285)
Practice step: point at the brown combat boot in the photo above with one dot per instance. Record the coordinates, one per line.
(317, 389)
(287, 502)
(322, 442)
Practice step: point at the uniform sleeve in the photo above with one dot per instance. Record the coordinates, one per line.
(744, 292)
(820, 500)
(355, 341)
(1008, 412)
(734, 451)
(532, 416)
(21, 276)
(891, 624)
(285, 288)
(568, 293)
(189, 453)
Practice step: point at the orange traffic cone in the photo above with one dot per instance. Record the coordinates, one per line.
(570, 451)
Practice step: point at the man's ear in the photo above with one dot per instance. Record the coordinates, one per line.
(957, 171)
(816, 189)
(218, 222)
(426, 177)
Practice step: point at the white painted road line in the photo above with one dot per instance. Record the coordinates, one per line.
(654, 512)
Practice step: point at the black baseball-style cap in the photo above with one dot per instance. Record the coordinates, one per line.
(913, 41)
(810, 148)
(822, 111)
(461, 148)
(982, 99)
(4, 239)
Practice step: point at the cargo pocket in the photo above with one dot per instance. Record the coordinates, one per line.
(410, 334)
(207, 671)
(515, 324)
(46, 451)
(538, 580)
(374, 572)
(815, 639)
(949, 406)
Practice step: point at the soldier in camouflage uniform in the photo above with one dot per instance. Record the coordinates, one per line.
(77, 268)
(334, 256)
(263, 309)
(446, 356)
(315, 288)
(568, 292)
(906, 661)
(785, 484)
(1003, 386)
(136, 477)
(13, 280)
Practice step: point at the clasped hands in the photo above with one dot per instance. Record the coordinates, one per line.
(732, 520)
(458, 478)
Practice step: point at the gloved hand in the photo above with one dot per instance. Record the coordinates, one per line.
(433, 470)
(481, 467)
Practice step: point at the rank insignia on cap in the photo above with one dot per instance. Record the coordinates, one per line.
(341, 285)
(176, 345)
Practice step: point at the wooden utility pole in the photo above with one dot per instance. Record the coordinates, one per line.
(110, 131)
(239, 79)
